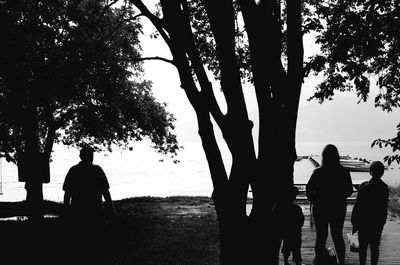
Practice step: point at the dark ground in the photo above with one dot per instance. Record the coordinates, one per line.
(147, 230)
(175, 230)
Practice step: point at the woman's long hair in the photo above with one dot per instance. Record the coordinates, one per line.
(330, 156)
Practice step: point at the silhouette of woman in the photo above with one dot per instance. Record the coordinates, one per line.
(328, 189)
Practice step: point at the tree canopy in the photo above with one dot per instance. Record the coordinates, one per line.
(360, 51)
(70, 73)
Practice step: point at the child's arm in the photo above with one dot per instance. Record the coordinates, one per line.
(300, 217)
(385, 205)
(355, 217)
(349, 185)
(355, 214)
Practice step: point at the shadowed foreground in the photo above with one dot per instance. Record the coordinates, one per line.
(174, 230)
(147, 231)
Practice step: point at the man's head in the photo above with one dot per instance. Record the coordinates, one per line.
(86, 154)
(376, 169)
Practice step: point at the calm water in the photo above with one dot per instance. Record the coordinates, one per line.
(140, 172)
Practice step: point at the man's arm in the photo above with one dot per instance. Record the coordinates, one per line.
(67, 191)
(109, 206)
(67, 198)
(108, 203)
(67, 203)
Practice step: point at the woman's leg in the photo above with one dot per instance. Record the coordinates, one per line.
(362, 252)
(321, 227)
(336, 225)
(374, 253)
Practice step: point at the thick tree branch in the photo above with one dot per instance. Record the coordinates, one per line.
(199, 70)
(173, 21)
(157, 22)
(265, 53)
(257, 51)
(224, 35)
(295, 52)
(148, 59)
(238, 138)
(268, 73)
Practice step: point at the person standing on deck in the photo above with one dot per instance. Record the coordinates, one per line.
(369, 213)
(328, 189)
(293, 222)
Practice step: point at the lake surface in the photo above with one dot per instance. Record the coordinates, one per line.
(141, 173)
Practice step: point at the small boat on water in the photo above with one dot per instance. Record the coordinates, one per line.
(356, 164)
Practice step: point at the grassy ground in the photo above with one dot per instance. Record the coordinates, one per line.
(394, 202)
(147, 230)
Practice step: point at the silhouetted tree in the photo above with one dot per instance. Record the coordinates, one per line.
(67, 75)
(259, 42)
(359, 43)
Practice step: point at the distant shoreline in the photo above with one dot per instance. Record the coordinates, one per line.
(139, 172)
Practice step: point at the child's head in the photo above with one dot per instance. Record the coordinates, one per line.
(376, 169)
(295, 192)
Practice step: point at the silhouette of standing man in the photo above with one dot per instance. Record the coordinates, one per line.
(85, 186)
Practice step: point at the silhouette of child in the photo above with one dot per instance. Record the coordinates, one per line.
(294, 220)
(370, 212)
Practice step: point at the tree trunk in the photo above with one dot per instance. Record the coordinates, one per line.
(31, 167)
(229, 195)
(34, 200)
(255, 239)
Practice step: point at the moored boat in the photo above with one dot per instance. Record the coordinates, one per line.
(352, 164)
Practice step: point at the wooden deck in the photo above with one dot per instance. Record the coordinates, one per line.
(303, 197)
(389, 249)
